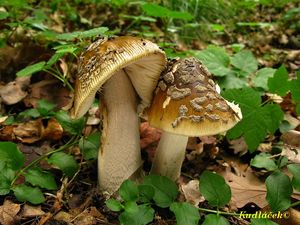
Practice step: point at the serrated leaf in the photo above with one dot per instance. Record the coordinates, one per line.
(41, 178)
(65, 162)
(114, 205)
(82, 34)
(261, 221)
(165, 190)
(69, 125)
(295, 170)
(261, 77)
(279, 84)
(11, 155)
(214, 219)
(26, 193)
(129, 191)
(214, 189)
(185, 213)
(45, 108)
(146, 193)
(89, 146)
(142, 216)
(279, 191)
(215, 59)
(28, 70)
(263, 161)
(245, 62)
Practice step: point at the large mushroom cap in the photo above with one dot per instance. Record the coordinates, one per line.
(141, 59)
(186, 102)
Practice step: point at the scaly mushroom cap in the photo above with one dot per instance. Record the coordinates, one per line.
(141, 59)
(186, 102)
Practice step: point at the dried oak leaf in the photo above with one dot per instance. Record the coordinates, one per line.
(8, 212)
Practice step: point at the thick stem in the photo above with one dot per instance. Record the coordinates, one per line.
(119, 155)
(169, 155)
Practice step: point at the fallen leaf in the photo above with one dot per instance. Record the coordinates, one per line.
(191, 192)
(239, 146)
(8, 212)
(32, 211)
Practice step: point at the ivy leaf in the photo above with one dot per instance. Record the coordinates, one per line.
(295, 170)
(261, 221)
(129, 191)
(28, 70)
(279, 191)
(24, 193)
(214, 219)
(257, 120)
(245, 62)
(263, 161)
(215, 59)
(261, 78)
(142, 216)
(165, 190)
(72, 126)
(65, 162)
(214, 189)
(11, 155)
(185, 213)
(41, 178)
(279, 83)
(89, 146)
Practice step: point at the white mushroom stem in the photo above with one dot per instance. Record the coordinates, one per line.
(169, 155)
(119, 155)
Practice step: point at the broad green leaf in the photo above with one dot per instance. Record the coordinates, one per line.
(89, 146)
(11, 155)
(131, 207)
(215, 59)
(114, 205)
(34, 113)
(298, 109)
(6, 177)
(231, 81)
(279, 191)
(279, 84)
(263, 161)
(54, 58)
(41, 178)
(146, 193)
(24, 193)
(65, 162)
(45, 108)
(185, 213)
(245, 62)
(129, 191)
(261, 221)
(82, 34)
(295, 88)
(214, 219)
(165, 190)
(214, 189)
(142, 216)
(257, 120)
(261, 77)
(295, 170)
(72, 126)
(28, 70)
(4, 15)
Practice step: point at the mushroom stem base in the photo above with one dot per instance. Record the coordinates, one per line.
(169, 155)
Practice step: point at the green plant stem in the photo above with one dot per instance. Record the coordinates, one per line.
(70, 143)
(218, 212)
(59, 77)
(295, 204)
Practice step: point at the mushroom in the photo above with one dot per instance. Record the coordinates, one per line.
(127, 66)
(186, 104)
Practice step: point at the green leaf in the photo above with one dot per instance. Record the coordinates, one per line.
(114, 205)
(279, 191)
(11, 155)
(71, 126)
(214, 189)
(146, 193)
(142, 216)
(261, 221)
(45, 108)
(129, 191)
(54, 58)
(4, 15)
(41, 178)
(34, 113)
(294, 88)
(82, 34)
(245, 62)
(263, 161)
(257, 120)
(262, 76)
(28, 70)
(214, 219)
(65, 162)
(165, 190)
(231, 81)
(279, 84)
(6, 177)
(131, 207)
(185, 213)
(89, 146)
(295, 170)
(24, 193)
(215, 59)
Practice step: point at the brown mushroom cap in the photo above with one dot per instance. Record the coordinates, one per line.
(141, 59)
(186, 102)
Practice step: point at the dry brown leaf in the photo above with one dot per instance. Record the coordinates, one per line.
(191, 192)
(32, 211)
(291, 138)
(239, 146)
(8, 212)
(89, 216)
